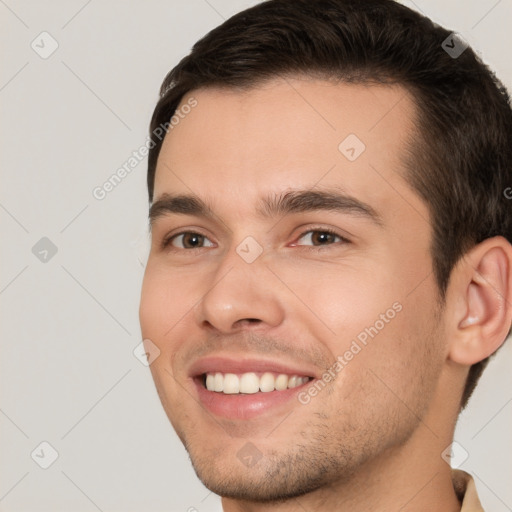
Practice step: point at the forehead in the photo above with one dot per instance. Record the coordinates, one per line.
(236, 146)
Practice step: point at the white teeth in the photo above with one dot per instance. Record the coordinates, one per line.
(210, 381)
(267, 382)
(295, 381)
(249, 383)
(231, 384)
(281, 382)
(218, 383)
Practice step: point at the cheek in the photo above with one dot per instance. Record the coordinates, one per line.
(166, 316)
(401, 353)
(342, 299)
(374, 314)
(158, 315)
(161, 308)
(165, 299)
(388, 374)
(153, 304)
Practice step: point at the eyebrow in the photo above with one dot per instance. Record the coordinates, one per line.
(295, 201)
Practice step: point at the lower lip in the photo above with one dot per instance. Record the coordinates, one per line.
(245, 406)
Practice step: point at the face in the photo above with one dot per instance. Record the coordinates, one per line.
(289, 287)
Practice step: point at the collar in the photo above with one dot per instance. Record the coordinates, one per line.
(465, 489)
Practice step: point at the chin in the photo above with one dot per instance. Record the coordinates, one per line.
(274, 478)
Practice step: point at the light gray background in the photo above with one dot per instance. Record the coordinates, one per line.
(69, 326)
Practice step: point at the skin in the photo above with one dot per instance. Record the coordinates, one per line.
(373, 438)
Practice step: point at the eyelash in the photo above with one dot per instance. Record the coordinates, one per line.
(166, 242)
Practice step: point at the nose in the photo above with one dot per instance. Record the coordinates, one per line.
(239, 296)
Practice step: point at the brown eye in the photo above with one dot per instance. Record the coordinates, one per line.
(318, 238)
(190, 240)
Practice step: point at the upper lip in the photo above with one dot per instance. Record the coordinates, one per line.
(245, 364)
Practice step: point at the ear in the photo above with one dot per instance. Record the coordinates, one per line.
(479, 298)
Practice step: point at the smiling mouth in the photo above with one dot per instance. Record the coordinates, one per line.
(251, 382)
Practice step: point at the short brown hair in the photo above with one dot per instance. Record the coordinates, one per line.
(461, 160)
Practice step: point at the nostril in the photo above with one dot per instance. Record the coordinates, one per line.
(245, 321)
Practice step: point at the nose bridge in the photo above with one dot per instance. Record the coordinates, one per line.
(240, 290)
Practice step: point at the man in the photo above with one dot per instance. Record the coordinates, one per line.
(331, 265)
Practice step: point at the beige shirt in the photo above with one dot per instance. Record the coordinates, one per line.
(465, 490)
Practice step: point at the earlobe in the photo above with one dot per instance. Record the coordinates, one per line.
(483, 291)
